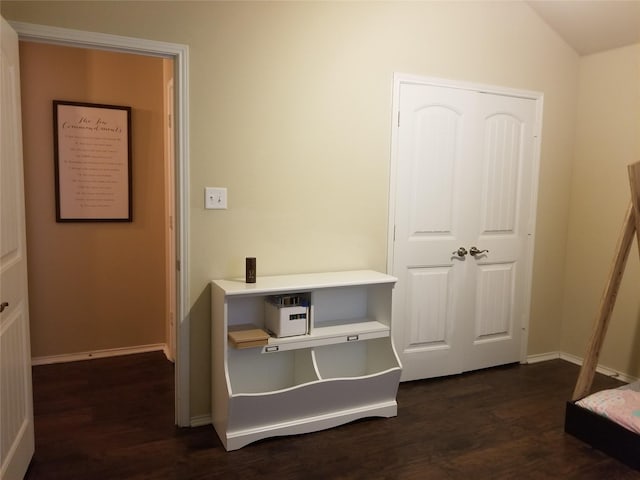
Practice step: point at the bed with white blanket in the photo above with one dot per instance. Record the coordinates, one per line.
(609, 420)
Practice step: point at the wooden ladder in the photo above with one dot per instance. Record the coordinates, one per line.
(630, 227)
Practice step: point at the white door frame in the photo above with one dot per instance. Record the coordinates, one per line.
(180, 54)
(402, 78)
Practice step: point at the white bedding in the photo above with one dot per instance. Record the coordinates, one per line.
(621, 405)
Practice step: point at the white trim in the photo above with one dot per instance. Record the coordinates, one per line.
(393, 172)
(533, 216)
(201, 420)
(180, 55)
(91, 355)
(476, 87)
(169, 354)
(542, 357)
(609, 372)
(402, 78)
(100, 41)
(567, 357)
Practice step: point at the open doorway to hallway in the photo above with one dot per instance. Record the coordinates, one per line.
(100, 289)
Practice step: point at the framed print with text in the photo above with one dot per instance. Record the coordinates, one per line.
(92, 154)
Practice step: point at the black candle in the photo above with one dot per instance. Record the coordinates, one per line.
(251, 270)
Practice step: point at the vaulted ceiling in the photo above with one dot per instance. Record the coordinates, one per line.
(592, 26)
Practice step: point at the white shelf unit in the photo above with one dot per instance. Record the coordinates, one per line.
(344, 369)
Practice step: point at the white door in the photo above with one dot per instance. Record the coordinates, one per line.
(16, 407)
(464, 177)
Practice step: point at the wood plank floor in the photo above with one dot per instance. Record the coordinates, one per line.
(113, 419)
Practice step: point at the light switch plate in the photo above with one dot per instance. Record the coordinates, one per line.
(215, 198)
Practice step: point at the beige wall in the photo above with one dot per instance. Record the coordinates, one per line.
(290, 109)
(93, 286)
(607, 140)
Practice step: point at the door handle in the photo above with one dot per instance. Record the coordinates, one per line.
(474, 251)
(3, 305)
(461, 252)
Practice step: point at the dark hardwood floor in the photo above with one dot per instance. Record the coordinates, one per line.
(113, 419)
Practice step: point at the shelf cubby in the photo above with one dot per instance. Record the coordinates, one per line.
(359, 359)
(253, 373)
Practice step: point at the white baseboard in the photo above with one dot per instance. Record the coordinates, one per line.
(168, 353)
(200, 420)
(110, 352)
(543, 357)
(610, 372)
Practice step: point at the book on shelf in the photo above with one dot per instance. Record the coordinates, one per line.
(247, 336)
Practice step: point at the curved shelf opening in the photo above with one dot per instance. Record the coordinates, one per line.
(355, 359)
(253, 373)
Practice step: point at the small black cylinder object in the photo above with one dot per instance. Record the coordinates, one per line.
(251, 270)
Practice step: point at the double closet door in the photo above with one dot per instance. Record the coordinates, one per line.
(463, 210)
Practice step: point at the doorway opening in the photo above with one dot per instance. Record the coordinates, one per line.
(176, 144)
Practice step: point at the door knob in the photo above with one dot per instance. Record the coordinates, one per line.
(461, 252)
(474, 251)
(3, 305)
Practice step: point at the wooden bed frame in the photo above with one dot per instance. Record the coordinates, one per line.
(596, 430)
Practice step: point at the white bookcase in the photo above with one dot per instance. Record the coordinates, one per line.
(343, 369)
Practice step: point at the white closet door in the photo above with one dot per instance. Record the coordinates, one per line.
(464, 170)
(16, 410)
(432, 221)
(499, 277)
